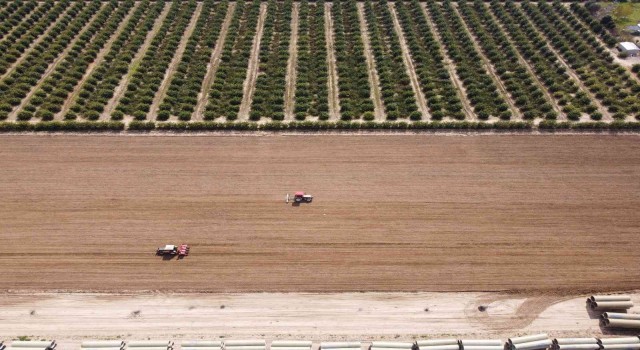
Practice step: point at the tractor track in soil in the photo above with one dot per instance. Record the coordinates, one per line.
(214, 63)
(122, 86)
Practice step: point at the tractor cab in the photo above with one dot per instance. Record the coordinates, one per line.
(299, 197)
(168, 249)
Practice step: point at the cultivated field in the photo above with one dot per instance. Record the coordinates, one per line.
(391, 213)
(260, 62)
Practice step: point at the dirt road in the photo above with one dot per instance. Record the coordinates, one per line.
(70, 318)
(391, 213)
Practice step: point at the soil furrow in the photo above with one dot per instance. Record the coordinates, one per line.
(175, 61)
(214, 63)
(121, 89)
(249, 85)
(98, 60)
(489, 67)
(374, 81)
(33, 44)
(334, 101)
(53, 65)
(408, 64)
(290, 88)
(460, 89)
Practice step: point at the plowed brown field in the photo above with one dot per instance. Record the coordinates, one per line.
(391, 213)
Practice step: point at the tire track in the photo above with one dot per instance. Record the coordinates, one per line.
(334, 100)
(290, 88)
(374, 81)
(54, 65)
(214, 63)
(408, 64)
(177, 57)
(489, 66)
(33, 44)
(249, 85)
(99, 58)
(460, 89)
(121, 89)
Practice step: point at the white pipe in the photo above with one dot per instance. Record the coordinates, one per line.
(482, 347)
(538, 344)
(391, 344)
(621, 340)
(481, 342)
(201, 343)
(152, 348)
(528, 338)
(372, 348)
(120, 348)
(291, 343)
(567, 341)
(440, 347)
(621, 315)
(340, 344)
(203, 348)
(289, 348)
(437, 342)
(149, 343)
(597, 298)
(611, 305)
(248, 347)
(622, 324)
(250, 342)
(621, 347)
(102, 344)
(32, 343)
(578, 346)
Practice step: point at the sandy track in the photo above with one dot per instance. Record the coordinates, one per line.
(527, 66)
(33, 44)
(332, 82)
(494, 212)
(448, 63)
(374, 82)
(290, 88)
(408, 64)
(70, 318)
(249, 85)
(606, 116)
(214, 63)
(53, 65)
(489, 67)
(99, 58)
(122, 87)
(175, 61)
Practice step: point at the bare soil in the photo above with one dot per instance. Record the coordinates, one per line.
(212, 68)
(334, 102)
(290, 88)
(390, 213)
(175, 61)
(408, 63)
(98, 60)
(374, 82)
(252, 71)
(121, 88)
(70, 318)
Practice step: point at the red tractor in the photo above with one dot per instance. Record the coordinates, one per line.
(299, 197)
(170, 250)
